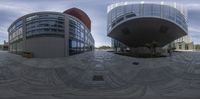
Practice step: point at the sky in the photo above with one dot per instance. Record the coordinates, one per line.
(10, 10)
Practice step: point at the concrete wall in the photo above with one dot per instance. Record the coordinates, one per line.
(45, 47)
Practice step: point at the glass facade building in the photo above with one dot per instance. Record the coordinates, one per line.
(44, 24)
(80, 38)
(137, 23)
(125, 10)
(16, 36)
(52, 33)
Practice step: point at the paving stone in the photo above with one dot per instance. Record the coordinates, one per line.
(100, 74)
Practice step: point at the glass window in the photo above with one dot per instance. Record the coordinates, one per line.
(166, 10)
(120, 11)
(82, 47)
(156, 10)
(130, 15)
(172, 13)
(113, 15)
(86, 37)
(82, 27)
(147, 10)
(82, 35)
(78, 47)
(74, 44)
(128, 9)
(44, 22)
(136, 9)
(31, 17)
(18, 23)
(119, 19)
(178, 21)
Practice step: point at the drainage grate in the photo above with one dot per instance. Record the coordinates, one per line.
(135, 63)
(98, 78)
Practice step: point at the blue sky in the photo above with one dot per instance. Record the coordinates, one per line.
(10, 10)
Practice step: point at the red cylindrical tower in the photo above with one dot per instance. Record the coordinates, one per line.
(80, 15)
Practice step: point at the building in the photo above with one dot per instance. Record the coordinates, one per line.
(183, 44)
(118, 46)
(5, 45)
(136, 24)
(51, 34)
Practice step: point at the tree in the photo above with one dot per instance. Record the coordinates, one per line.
(1, 46)
(148, 45)
(197, 46)
(152, 47)
(104, 47)
(154, 44)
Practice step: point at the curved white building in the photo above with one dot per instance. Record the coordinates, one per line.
(138, 23)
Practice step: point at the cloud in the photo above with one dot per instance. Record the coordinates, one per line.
(194, 29)
(10, 10)
(194, 32)
(193, 6)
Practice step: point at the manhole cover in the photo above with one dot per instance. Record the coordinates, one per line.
(98, 78)
(135, 63)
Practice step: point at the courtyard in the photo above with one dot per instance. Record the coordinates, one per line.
(100, 74)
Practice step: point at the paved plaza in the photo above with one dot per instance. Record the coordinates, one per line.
(100, 75)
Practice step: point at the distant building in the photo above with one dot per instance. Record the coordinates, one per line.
(52, 34)
(5, 45)
(183, 44)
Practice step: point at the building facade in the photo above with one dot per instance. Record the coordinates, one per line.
(138, 23)
(183, 44)
(51, 34)
(118, 46)
(5, 46)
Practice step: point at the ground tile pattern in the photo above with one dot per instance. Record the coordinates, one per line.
(100, 74)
